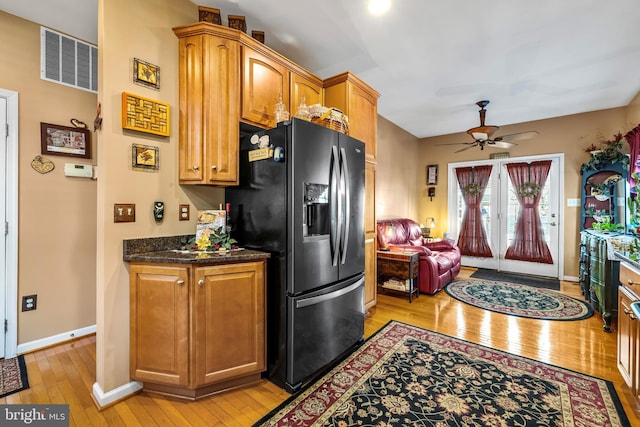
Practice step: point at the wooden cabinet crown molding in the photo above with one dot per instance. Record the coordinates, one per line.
(348, 76)
(201, 28)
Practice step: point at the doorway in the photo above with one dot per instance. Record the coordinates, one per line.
(499, 210)
(9, 218)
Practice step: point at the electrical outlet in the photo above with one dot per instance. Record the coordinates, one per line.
(184, 212)
(29, 302)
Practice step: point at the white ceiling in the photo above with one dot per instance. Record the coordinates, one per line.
(432, 60)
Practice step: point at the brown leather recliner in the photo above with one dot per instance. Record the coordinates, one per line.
(439, 261)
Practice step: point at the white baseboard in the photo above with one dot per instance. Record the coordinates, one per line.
(103, 399)
(571, 278)
(55, 339)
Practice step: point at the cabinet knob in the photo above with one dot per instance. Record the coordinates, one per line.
(552, 224)
(201, 282)
(196, 167)
(180, 282)
(631, 282)
(214, 167)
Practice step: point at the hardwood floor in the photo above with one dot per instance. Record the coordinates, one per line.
(66, 373)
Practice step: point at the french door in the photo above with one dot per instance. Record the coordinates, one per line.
(500, 208)
(3, 218)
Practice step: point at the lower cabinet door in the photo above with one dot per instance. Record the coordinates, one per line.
(159, 324)
(228, 321)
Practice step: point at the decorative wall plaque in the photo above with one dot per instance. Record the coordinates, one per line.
(145, 115)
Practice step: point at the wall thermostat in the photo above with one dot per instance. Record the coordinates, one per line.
(75, 169)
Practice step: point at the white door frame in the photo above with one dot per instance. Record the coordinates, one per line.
(11, 249)
(453, 190)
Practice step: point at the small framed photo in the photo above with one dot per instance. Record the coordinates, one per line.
(65, 141)
(432, 174)
(146, 74)
(144, 157)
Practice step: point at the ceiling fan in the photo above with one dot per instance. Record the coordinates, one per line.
(483, 134)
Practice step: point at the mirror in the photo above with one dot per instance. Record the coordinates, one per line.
(604, 201)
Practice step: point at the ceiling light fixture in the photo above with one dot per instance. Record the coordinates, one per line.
(378, 7)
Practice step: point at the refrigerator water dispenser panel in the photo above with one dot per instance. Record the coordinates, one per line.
(315, 215)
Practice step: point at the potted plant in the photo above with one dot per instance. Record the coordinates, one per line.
(611, 152)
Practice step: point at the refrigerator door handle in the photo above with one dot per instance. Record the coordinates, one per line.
(306, 302)
(344, 179)
(335, 206)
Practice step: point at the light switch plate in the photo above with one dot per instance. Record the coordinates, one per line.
(573, 203)
(124, 212)
(184, 212)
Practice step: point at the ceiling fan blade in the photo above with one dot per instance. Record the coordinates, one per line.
(500, 144)
(465, 148)
(457, 143)
(516, 136)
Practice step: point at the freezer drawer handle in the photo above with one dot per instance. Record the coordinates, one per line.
(326, 297)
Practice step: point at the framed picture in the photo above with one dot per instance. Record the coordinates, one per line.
(145, 115)
(144, 157)
(432, 174)
(146, 74)
(65, 141)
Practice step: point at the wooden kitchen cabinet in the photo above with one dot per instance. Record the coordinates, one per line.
(159, 324)
(197, 330)
(628, 328)
(360, 103)
(310, 87)
(209, 81)
(263, 81)
(370, 267)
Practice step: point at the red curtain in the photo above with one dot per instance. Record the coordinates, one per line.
(528, 180)
(633, 138)
(472, 239)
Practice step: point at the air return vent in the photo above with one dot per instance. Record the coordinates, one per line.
(68, 61)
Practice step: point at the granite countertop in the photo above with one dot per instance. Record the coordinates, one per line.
(166, 250)
(623, 256)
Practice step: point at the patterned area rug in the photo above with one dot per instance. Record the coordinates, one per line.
(408, 376)
(523, 279)
(519, 300)
(13, 376)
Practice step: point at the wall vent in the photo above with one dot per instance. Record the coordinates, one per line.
(68, 61)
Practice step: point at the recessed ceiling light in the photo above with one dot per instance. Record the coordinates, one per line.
(378, 7)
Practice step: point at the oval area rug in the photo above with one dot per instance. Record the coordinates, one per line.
(519, 300)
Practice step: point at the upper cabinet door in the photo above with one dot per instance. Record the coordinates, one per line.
(360, 103)
(301, 86)
(263, 82)
(221, 104)
(209, 110)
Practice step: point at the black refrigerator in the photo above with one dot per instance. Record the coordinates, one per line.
(305, 206)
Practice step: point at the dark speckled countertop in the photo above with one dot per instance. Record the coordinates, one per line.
(166, 250)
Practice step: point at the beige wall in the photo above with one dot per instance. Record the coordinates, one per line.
(569, 135)
(633, 113)
(57, 227)
(395, 171)
(140, 29)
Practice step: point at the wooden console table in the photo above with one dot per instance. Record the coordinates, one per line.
(398, 265)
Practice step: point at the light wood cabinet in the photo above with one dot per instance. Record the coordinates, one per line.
(310, 87)
(628, 355)
(360, 103)
(370, 269)
(263, 81)
(209, 81)
(197, 330)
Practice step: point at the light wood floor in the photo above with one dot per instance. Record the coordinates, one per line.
(66, 373)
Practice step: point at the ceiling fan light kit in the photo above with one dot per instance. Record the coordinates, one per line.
(483, 134)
